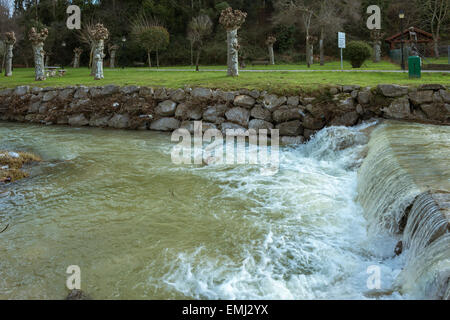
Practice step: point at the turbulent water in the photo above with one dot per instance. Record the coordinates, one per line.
(408, 170)
(141, 227)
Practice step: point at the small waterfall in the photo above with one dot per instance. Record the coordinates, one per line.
(404, 189)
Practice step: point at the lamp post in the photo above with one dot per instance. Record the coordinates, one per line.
(124, 40)
(63, 45)
(401, 15)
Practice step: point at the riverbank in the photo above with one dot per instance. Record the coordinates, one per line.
(11, 164)
(280, 82)
(297, 117)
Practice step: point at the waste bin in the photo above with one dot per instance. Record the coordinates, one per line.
(415, 69)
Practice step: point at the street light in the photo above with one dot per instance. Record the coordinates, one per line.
(63, 44)
(401, 15)
(124, 39)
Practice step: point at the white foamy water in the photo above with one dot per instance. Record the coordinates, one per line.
(142, 228)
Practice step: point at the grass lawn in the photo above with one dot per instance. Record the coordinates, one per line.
(277, 82)
(335, 65)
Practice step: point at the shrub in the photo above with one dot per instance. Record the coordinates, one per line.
(357, 52)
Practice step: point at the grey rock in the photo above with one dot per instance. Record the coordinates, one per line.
(285, 114)
(364, 96)
(360, 109)
(348, 119)
(432, 86)
(308, 133)
(99, 121)
(161, 94)
(189, 112)
(215, 113)
(201, 93)
(166, 108)
(34, 108)
(78, 120)
(21, 90)
(81, 93)
(129, 89)
(419, 97)
(237, 129)
(312, 123)
(334, 91)
(346, 105)
(204, 126)
(273, 102)
(178, 95)
(437, 111)
(437, 97)
(398, 109)
(354, 94)
(226, 96)
(307, 100)
(445, 95)
(293, 101)
(165, 124)
(349, 89)
(109, 90)
(119, 121)
(49, 96)
(146, 92)
(392, 90)
(258, 124)
(238, 115)
(65, 94)
(6, 92)
(291, 128)
(244, 101)
(261, 113)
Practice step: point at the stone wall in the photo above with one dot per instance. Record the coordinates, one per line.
(297, 117)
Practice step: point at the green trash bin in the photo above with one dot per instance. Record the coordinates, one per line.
(415, 69)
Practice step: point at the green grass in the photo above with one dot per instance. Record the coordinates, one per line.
(334, 65)
(277, 82)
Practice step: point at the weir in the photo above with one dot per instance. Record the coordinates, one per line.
(404, 187)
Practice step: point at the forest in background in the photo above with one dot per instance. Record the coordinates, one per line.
(265, 17)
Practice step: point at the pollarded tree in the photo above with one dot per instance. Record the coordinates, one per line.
(112, 55)
(76, 59)
(151, 35)
(200, 28)
(10, 40)
(232, 20)
(37, 39)
(269, 43)
(99, 34)
(376, 36)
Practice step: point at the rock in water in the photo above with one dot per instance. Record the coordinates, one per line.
(77, 295)
(399, 248)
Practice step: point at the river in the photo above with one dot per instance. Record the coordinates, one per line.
(140, 227)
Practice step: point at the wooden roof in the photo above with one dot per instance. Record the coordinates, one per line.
(422, 36)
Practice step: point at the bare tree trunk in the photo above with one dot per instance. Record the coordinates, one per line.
(436, 47)
(311, 54)
(271, 55)
(308, 52)
(112, 59)
(157, 59)
(377, 51)
(192, 54)
(38, 49)
(98, 60)
(76, 60)
(47, 60)
(92, 65)
(149, 58)
(233, 53)
(197, 60)
(9, 56)
(321, 47)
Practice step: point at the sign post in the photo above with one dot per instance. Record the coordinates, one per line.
(341, 43)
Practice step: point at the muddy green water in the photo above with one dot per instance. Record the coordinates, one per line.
(141, 227)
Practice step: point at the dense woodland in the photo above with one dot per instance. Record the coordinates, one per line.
(290, 22)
